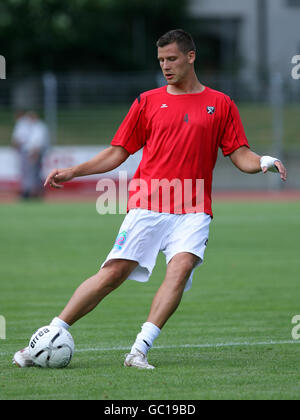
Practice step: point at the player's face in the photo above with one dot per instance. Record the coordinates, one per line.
(175, 65)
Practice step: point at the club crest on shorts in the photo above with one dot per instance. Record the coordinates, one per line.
(121, 239)
(210, 109)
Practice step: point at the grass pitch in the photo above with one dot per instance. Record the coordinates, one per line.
(229, 339)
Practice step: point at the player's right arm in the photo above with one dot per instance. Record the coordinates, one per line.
(105, 161)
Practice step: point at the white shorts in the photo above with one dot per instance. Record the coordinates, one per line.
(144, 233)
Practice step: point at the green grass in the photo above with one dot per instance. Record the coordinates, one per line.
(246, 292)
(96, 125)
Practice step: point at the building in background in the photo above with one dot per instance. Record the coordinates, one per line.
(251, 39)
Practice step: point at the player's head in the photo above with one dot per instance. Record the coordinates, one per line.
(183, 40)
(33, 115)
(176, 55)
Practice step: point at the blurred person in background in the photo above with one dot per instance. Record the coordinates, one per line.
(31, 139)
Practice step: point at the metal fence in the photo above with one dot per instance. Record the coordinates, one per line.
(79, 89)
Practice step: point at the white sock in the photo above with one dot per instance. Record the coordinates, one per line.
(145, 338)
(57, 322)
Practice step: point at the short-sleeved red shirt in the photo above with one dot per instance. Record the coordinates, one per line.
(181, 135)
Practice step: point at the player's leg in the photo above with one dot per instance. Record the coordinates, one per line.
(170, 292)
(87, 296)
(90, 293)
(164, 304)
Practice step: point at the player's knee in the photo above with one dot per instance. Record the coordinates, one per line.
(180, 271)
(115, 272)
(184, 264)
(106, 280)
(187, 267)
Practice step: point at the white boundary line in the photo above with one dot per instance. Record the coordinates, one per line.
(184, 346)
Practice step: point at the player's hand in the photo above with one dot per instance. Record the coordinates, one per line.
(57, 176)
(273, 165)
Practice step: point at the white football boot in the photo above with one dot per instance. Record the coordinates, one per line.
(22, 358)
(138, 360)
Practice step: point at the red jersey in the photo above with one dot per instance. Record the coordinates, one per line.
(181, 135)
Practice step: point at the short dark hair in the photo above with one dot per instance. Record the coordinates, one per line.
(183, 39)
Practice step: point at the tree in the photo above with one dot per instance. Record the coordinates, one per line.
(64, 35)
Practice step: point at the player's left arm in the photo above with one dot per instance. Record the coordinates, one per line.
(247, 161)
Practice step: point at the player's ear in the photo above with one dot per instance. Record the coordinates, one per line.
(191, 57)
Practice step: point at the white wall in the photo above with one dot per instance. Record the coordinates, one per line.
(61, 157)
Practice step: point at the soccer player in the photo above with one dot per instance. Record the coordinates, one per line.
(180, 127)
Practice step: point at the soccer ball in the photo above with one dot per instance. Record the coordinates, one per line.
(51, 347)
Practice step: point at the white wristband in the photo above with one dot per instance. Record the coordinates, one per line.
(269, 163)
